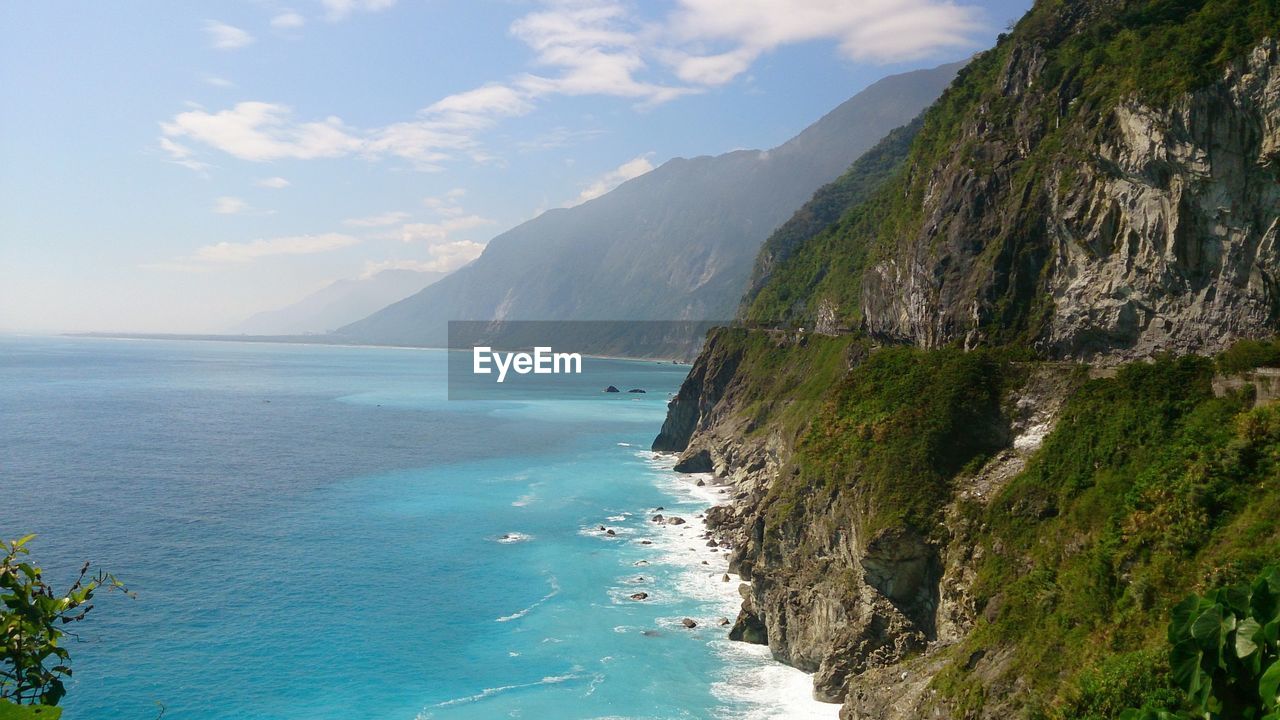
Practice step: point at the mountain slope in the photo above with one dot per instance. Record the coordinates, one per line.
(935, 519)
(1104, 181)
(341, 302)
(674, 244)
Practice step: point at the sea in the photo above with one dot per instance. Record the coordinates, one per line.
(317, 532)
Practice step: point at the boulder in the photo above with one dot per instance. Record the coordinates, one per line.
(689, 623)
(612, 389)
(639, 596)
(636, 390)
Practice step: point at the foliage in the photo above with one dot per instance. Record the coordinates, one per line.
(818, 217)
(1247, 355)
(33, 662)
(1017, 141)
(1224, 654)
(9, 711)
(1148, 486)
(895, 431)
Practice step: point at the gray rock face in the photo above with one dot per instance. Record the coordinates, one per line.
(1160, 237)
(864, 612)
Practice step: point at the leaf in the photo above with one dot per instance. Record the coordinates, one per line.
(1246, 633)
(1269, 686)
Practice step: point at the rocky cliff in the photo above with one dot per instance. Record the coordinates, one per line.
(1056, 201)
(940, 513)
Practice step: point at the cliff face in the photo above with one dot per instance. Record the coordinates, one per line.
(955, 534)
(1162, 238)
(934, 525)
(1049, 203)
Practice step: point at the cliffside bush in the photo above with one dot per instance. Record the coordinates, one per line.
(33, 662)
(1224, 654)
(1148, 486)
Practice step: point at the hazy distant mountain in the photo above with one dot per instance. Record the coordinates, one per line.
(339, 303)
(674, 244)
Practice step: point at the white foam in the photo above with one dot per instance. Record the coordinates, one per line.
(769, 689)
(555, 590)
(513, 537)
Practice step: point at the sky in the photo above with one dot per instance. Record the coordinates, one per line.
(177, 166)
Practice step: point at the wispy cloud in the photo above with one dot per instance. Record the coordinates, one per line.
(445, 257)
(336, 10)
(872, 30)
(383, 220)
(579, 47)
(229, 252)
(228, 205)
(288, 20)
(275, 183)
(226, 37)
(439, 232)
(216, 81)
(632, 168)
(224, 254)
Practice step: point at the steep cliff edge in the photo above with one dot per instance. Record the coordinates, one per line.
(941, 533)
(1105, 183)
(940, 513)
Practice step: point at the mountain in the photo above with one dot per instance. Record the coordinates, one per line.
(1033, 406)
(337, 304)
(1104, 186)
(674, 244)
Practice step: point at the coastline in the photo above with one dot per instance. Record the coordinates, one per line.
(774, 690)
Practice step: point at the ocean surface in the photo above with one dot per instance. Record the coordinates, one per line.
(317, 532)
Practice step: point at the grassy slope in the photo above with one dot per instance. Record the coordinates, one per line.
(1149, 487)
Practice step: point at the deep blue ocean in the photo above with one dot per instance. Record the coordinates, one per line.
(317, 532)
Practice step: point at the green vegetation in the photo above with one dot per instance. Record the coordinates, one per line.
(894, 432)
(9, 711)
(1247, 355)
(33, 663)
(1094, 56)
(1149, 486)
(1224, 653)
(827, 206)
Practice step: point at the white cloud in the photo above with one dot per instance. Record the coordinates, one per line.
(275, 183)
(336, 10)
(228, 252)
(632, 168)
(446, 204)
(583, 47)
(596, 47)
(226, 37)
(228, 205)
(383, 220)
(444, 258)
(439, 232)
(262, 131)
(288, 20)
(871, 30)
(216, 81)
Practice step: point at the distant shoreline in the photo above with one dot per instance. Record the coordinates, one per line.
(329, 340)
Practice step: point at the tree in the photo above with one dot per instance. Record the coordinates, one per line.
(33, 663)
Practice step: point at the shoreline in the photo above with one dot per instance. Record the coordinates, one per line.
(749, 672)
(320, 340)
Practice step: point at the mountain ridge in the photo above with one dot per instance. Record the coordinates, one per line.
(674, 244)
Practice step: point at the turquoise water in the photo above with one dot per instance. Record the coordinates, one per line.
(316, 532)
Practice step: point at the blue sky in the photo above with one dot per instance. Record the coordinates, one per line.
(179, 165)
